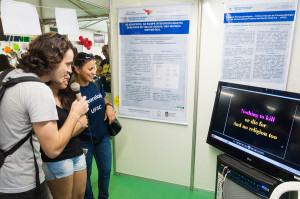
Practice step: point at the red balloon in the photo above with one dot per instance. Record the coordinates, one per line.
(88, 47)
(81, 42)
(90, 42)
(80, 38)
(86, 39)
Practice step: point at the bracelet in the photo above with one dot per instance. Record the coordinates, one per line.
(108, 104)
(80, 123)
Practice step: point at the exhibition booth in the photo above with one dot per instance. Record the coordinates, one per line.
(206, 91)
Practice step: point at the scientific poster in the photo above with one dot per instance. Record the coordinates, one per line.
(153, 50)
(257, 43)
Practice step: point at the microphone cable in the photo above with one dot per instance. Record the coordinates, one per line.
(93, 148)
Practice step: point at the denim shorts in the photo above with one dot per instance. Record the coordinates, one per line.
(63, 168)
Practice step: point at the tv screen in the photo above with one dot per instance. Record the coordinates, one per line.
(98, 38)
(259, 126)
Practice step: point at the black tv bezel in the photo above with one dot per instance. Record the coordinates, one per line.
(260, 164)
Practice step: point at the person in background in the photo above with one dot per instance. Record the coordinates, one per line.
(4, 63)
(31, 106)
(66, 174)
(106, 73)
(95, 138)
(98, 62)
(14, 61)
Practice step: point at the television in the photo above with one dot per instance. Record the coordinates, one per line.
(258, 126)
(98, 38)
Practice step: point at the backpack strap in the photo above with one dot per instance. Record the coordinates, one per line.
(14, 148)
(13, 81)
(37, 174)
(97, 83)
(4, 73)
(4, 154)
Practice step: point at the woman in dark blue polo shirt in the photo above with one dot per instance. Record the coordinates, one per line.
(95, 138)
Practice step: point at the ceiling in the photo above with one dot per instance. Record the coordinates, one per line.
(91, 14)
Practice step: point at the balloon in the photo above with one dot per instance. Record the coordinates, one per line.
(24, 46)
(16, 47)
(85, 42)
(7, 49)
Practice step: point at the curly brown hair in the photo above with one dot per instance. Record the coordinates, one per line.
(45, 53)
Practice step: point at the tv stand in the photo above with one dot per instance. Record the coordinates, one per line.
(247, 165)
(237, 180)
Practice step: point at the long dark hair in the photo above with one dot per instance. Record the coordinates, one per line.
(4, 63)
(66, 98)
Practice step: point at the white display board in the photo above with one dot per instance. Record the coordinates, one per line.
(257, 45)
(153, 49)
(19, 18)
(66, 21)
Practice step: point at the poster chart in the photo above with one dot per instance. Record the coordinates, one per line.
(257, 43)
(153, 49)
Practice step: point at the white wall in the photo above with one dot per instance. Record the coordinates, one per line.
(210, 62)
(156, 150)
(163, 151)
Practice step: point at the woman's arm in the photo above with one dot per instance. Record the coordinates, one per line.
(109, 111)
(82, 124)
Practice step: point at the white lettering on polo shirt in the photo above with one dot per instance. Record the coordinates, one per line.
(94, 98)
(96, 108)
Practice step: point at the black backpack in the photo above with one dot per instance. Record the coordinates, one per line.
(3, 154)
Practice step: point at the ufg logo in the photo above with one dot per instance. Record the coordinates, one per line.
(148, 11)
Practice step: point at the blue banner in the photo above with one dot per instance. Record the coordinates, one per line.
(252, 17)
(154, 27)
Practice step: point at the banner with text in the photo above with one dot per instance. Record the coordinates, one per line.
(153, 50)
(257, 44)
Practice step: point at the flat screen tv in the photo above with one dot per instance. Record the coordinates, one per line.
(258, 126)
(98, 38)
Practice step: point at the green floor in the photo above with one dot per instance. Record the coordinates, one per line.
(123, 187)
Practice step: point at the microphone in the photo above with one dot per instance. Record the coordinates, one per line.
(76, 88)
